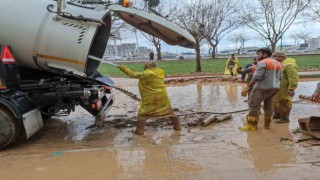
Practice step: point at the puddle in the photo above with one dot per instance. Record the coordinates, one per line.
(216, 151)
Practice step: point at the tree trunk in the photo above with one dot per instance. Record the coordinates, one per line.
(214, 48)
(198, 64)
(158, 48)
(273, 46)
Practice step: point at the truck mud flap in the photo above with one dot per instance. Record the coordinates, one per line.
(32, 122)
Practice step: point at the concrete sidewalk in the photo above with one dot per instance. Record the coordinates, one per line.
(302, 74)
(309, 74)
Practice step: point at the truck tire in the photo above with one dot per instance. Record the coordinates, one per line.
(181, 58)
(10, 127)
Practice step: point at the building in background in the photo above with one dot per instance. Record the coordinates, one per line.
(117, 50)
(313, 43)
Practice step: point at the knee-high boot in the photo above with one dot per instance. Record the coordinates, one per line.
(284, 117)
(175, 122)
(276, 116)
(252, 122)
(140, 126)
(267, 121)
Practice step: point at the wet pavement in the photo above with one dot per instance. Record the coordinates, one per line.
(67, 149)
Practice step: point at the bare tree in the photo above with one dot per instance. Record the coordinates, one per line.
(314, 12)
(221, 19)
(300, 38)
(238, 39)
(193, 16)
(272, 18)
(166, 9)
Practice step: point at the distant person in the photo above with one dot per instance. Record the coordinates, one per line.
(151, 55)
(264, 84)
(316, 95)
(154, 98)
(289, 82)
(231, 66)
(248, 70)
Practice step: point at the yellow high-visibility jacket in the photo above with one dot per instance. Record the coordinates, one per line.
(226, 70)
(154, 97)
(289, 81)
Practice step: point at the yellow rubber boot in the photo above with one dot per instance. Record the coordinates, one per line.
(175, 123)
(252, 122)
(267, 121)
(140, 127)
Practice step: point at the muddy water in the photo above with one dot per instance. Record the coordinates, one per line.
(68, 149)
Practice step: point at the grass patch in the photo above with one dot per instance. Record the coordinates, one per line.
(208, 66)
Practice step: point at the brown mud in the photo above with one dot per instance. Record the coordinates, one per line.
(67, 149)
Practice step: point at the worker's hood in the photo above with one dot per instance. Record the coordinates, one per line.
(289, 61)
(155, 72)
(155, 25)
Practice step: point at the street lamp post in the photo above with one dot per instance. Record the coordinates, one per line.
(281, 36)
(137, 45)
(281, 43)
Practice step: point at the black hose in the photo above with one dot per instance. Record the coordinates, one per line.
(222, 113)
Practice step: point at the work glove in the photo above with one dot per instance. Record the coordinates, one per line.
(120, 67)
(245, 91)
(315, 97)
(291, 92)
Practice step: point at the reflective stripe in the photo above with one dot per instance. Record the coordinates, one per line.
(7, 56)
(62, 59)
(8, 61)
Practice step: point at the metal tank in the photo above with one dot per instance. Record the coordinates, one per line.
(41, 39)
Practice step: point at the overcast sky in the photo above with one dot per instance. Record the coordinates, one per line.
(313, 28)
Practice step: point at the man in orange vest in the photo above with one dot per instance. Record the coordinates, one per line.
(250, 71)
(264, 84)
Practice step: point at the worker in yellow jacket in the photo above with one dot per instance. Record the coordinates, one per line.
(289, 82)
(231, 66)
(154, 98)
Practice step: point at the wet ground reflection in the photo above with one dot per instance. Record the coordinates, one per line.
(217, 151)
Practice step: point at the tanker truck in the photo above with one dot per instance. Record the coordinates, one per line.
(49, 55)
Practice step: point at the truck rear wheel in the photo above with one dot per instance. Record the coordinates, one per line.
(10, 127)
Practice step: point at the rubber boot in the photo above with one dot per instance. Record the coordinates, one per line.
(276, 116)
(267, 121)
(252, 122)
(140, 127)
(284, 117)
(175, 123)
